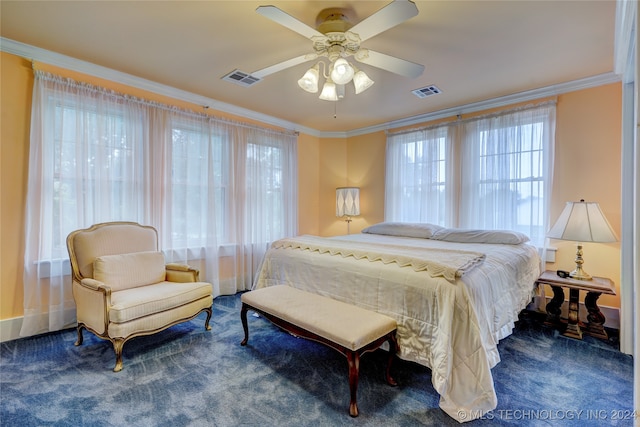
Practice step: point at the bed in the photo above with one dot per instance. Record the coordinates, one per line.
(454, 294)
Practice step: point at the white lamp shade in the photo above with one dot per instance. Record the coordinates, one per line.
(582, 222)
(329, 92)
(361, 82)
(309, 81)
(347, 201)
(342, 72)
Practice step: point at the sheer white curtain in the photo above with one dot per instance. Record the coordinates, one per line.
(217, 191)
(418, 176)
(507, 169)
(489, 172)
(73, 184)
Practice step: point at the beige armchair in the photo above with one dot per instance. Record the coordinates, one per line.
(123, 289)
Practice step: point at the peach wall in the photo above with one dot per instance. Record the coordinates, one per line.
(308, 184)
(16, 82)
(587, 118)
(366, 167)
(333, 173)
(588, 166)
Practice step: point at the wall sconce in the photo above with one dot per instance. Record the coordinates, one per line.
(582, 222)
(347, 203)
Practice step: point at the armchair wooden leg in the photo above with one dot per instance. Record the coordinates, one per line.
(245, 326)
(206, 322)
(80, 337)
(118, 343)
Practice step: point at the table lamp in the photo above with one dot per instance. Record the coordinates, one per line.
(347, 203)
(582, 222)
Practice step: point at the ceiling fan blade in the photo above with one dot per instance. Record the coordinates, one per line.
(286, 20)
(389, 16)
(283, 65)
(389, 63)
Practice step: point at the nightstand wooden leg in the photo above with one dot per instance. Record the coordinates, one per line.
(596, 319)
(554, 307)
(573, 325)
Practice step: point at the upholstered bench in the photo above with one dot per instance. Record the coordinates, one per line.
(346, 328)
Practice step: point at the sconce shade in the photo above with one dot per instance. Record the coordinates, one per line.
(347, 201)
(582, 222)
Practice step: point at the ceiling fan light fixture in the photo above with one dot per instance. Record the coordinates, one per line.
(329, 92)
(342, 71)
(309, 81)
(361, 81)
(337, 40)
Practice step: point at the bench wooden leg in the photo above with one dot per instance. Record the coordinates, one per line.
(393, 349)
(353, 358)
(245, 326)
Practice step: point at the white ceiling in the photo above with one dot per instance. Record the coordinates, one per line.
(472, 50)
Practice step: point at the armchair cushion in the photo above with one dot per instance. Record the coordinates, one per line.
(125, 271)
(134, 303)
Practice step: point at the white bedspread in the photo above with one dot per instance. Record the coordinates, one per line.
(452, 301)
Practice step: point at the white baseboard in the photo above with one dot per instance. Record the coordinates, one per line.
(10, 329)
(611, 314)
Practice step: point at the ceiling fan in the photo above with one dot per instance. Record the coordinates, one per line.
(337, 40)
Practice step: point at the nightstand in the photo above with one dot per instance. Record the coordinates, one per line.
(594, 288)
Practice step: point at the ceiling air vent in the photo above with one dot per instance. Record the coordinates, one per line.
(423, 92)
(240, 78)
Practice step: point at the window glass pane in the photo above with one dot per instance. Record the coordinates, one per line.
(417, 178)
(198, 173)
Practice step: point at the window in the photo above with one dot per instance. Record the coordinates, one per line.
(499, 178)
(417, 186)
(199, 165)
(92, 158)
(214, 189)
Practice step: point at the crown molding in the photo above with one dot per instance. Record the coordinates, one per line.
(37, 54)
(41, 55)
(502, 101)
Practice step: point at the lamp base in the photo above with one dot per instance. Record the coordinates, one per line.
(579, 273)
(348, 221)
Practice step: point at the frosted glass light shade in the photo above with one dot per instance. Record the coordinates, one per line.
(329, 92)
(347, 201)
(361, 82)
(309, 81)
(342, 72)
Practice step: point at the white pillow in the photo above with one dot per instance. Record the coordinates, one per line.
(459, 235)
(131, 270)
(404, 229)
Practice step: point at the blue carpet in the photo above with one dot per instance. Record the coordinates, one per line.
(186, 376)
